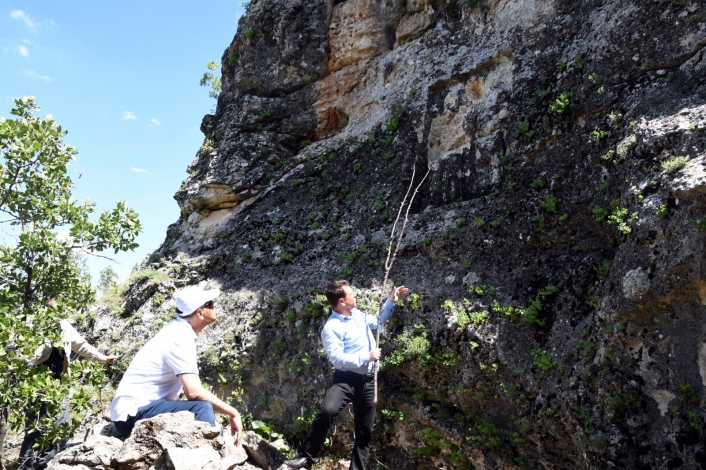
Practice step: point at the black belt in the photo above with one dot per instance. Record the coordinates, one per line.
(365, 377)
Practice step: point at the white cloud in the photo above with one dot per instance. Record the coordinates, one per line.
(155, 123)
(30, 22)
(33, 74)
(23, 51)
(21, 15)
(128, 116)
(140, 170)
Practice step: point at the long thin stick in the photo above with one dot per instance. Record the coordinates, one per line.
(391, 260)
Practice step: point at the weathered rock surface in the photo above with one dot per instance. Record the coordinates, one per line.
(165, 442)
(556, 247)
(262, 453)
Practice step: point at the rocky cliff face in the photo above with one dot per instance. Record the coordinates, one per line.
(555, 252)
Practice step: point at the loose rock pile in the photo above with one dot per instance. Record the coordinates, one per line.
(167, 442)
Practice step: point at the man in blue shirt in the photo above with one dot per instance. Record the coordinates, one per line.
(350, 346)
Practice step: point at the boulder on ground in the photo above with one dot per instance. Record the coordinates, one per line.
(262, 453)
(166, 442)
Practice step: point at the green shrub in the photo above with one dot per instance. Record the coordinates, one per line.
(674, 164)
(507, 310)
(410, 347)
(547, 291)
(523, 128)
(153, 275)
(603, 269)
(598, 135)
(594, 301)
(608, 155)
(279, 300)
(548, 203)
(560, 104)
(414, 300)
(600, 214)
(531, 314)
(544, 361)
(478, 317)
(589, 349)
(394, 123)
(619, 217)
(316, 307)
(478, 289)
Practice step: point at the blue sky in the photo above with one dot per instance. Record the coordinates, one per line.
(122, 78)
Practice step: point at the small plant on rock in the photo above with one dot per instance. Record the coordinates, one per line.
(279, 300)
(603, 269)
(600, 214)
(548, 203)
(598, 135)
(523, 128)
(674, 164)
(394, 123)
(560, 104)
(544, 361)
(539, 218)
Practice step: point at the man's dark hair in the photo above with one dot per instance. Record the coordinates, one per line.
(334, 291)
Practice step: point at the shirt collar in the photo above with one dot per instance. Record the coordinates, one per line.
(337, 315)
(181, 320)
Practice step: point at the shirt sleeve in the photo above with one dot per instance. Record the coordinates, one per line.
(41, 354)
(79, 345)
(387, 310)
(334, 349)
(180, 358)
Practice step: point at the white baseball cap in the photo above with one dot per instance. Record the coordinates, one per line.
(192, 298)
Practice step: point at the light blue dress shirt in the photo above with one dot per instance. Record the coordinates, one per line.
(348, 340)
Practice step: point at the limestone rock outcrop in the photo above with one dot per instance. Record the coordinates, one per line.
(555, 250)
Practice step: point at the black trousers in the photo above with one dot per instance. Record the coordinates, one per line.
(347, 387)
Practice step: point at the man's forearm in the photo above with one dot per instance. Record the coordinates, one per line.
(219, 406)
(194, 390)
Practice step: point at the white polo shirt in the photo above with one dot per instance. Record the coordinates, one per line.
(154, 372)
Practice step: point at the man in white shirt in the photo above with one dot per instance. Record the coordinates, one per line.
(168, 363)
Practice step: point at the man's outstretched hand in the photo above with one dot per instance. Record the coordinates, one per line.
(398, 292)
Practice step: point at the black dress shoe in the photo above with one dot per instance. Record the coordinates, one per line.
(301, 461)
